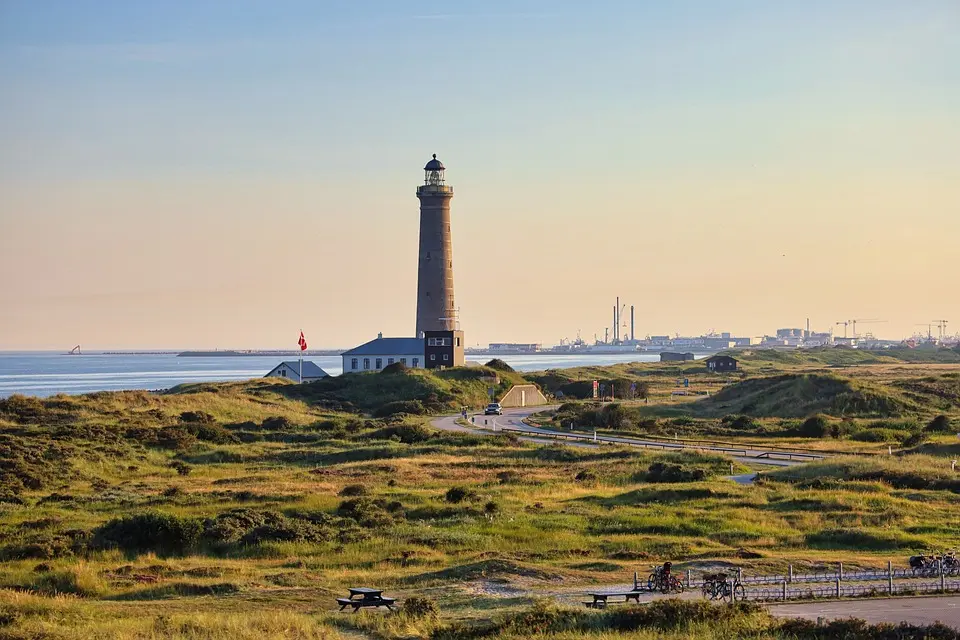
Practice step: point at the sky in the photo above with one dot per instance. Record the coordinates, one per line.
(223, 174)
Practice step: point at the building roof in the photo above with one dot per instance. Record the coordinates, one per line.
(434, 165)
(712, 358)
(387, 347)
(310, 369)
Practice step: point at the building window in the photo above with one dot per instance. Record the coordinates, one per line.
(458, 342)
(283, 373)
(389, 360)
(433, 356)
(446, 357)
(447, 342)
(353, 364)
(416, 362)
(379, 363)
(403, 361)
(366, 363)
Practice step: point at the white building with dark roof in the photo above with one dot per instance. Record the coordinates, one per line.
(382, 352)
(291, 371)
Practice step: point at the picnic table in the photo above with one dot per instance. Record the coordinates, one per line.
(600, 599)
(365, 597)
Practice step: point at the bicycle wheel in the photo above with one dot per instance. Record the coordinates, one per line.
(739, 592)
(725, 591)
(652, 582)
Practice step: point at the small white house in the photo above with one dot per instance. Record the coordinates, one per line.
(291, 371)
(382, 352)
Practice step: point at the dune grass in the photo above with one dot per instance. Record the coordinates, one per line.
(266, 507)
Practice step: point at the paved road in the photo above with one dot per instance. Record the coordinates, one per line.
(513, 418)
(945, 609)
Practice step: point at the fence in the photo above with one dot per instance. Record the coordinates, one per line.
(831, 584)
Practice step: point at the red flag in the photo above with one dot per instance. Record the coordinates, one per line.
(302, 342)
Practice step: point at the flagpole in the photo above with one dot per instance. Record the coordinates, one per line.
(301, 357)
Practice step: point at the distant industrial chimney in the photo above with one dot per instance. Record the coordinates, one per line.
(632, 334)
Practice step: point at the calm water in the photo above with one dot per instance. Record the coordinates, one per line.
(45, 374)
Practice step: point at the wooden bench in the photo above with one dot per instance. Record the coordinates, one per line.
(600, 600)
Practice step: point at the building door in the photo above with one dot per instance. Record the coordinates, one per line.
(523, 398)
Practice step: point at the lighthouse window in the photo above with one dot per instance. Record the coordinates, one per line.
(446, 356)
(433, 356)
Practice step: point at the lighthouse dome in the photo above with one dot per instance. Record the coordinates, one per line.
(434, 165)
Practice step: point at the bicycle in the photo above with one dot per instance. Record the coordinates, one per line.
(717, 586)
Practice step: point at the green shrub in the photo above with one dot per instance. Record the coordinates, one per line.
(940, 424)
(667, 472)
(230, 526)
(613, 416)
(395, 368)
(880, 435)
(814, 427)
(352, 490)
(510, 477)
(199, 417)
(456, 495)
(419, 607)
(405, 433)
(366, 512)
(162, 533)
(499, 365)
(412, 407)
(276, 423)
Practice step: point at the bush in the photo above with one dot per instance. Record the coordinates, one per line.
(510, 477)
(413, 407)
(352, 490)
(418, 607)
(940, 424)
(613, 416)
(162, 533)
(814, 427)
(366, 512)
(491, 508)
(182, 468)
(456, 495)
(276, 423)
(199, 417)
(668, 472)
(585, 476)
(500, 365)
(880, 435)
(288, 530)
(915, 439)
(405, 433)
(395, 368)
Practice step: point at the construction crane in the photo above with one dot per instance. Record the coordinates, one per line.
(75, 351)
(623, 323)
(941, 326)
(844, 323)
(929, 331)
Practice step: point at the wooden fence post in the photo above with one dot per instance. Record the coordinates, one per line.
(838, 587)
(784, 591)
(689, 578)
(635, 581)
(739, 574)
(790, 574)
(943, 583)
(840, 572)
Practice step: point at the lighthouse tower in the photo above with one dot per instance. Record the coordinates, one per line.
(435, 307)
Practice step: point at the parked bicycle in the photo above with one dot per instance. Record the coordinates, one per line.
(931, 565)
(717, 586)
(662, 580)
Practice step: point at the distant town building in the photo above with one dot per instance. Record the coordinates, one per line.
(719, 364)
(443, 349)
(515, 347)
(672, 356)
(382, 352)
(291, 371)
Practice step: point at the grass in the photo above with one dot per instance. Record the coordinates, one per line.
(246, 482)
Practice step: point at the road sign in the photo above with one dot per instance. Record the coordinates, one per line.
(595, 387)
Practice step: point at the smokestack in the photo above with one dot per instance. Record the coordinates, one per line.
(632, 335)
(614, 335)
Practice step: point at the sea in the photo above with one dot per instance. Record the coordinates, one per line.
(39, 373)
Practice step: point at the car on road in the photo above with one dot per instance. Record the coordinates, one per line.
(493, 409)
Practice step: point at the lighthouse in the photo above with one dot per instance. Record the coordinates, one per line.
(436, 310)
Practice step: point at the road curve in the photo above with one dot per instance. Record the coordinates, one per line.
(514, 420)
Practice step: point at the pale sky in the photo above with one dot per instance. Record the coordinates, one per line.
(209, 174)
